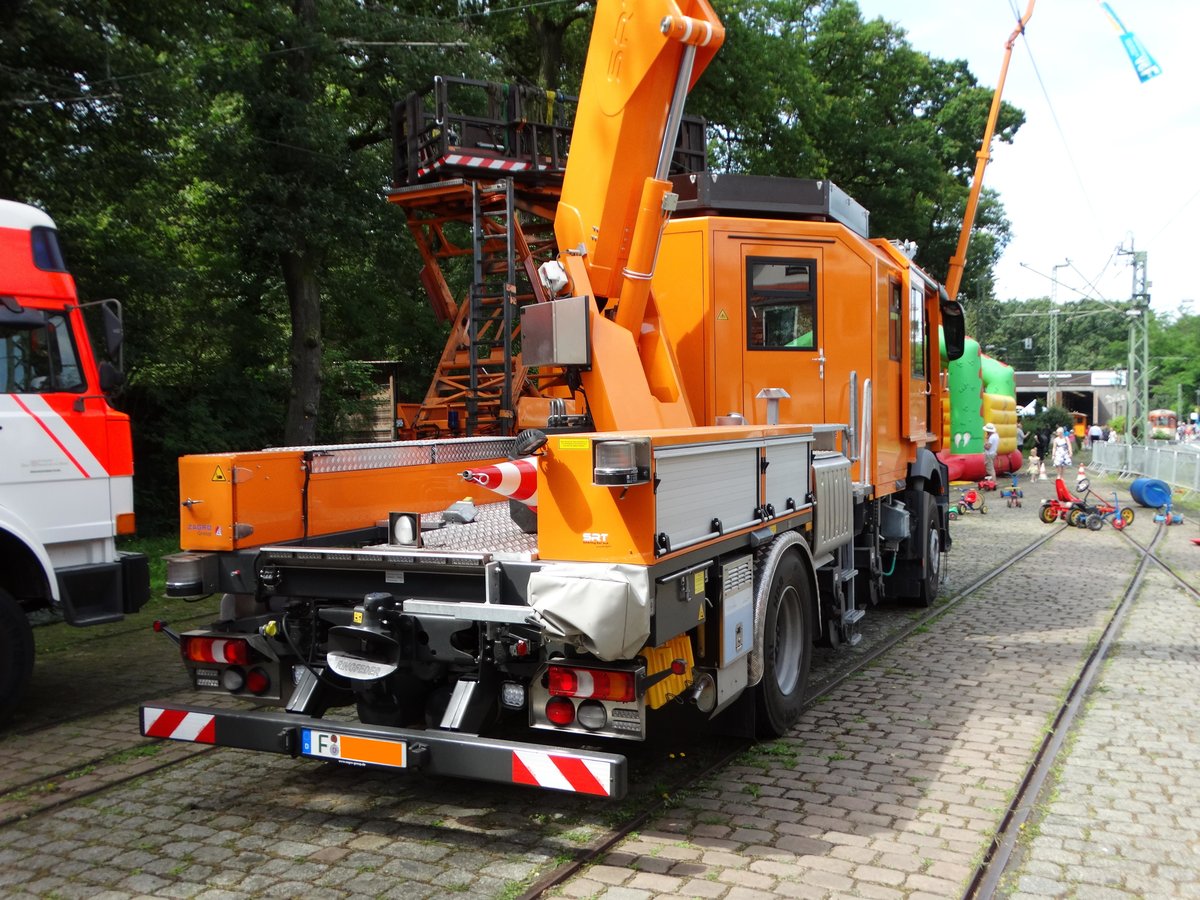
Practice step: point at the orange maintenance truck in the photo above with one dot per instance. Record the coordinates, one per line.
(713, 450)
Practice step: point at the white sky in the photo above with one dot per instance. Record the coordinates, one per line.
(1122, 163)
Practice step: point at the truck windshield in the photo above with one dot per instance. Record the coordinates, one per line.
(39, 360)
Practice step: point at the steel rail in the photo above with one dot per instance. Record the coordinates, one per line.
(48, 801)
(991, 870)
(591, 855)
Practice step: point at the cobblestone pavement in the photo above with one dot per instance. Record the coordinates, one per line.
(889, 788)
(1123, 818)
(894, 786)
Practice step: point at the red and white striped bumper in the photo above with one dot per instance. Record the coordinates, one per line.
(439, 752)
(178, 725)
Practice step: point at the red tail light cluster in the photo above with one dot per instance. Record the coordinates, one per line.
(596, 684)
(231, 651)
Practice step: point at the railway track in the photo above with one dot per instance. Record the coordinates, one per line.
(546, 850)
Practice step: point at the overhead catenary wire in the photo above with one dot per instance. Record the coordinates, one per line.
(1058, 127)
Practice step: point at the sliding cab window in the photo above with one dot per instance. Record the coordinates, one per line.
(781, 300)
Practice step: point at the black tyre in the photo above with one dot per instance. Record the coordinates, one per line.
(1094, 522)
(787, 648)
(931, 564)
(1048, 514)
(1074, 516)
(16, 653)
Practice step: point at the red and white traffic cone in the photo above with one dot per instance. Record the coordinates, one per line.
(515, 479)
(1082, 474)
(1042, 471)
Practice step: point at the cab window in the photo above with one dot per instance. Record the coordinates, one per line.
(916, 331)
(781, 304)
(39, 360)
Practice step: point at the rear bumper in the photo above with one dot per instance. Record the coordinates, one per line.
(436, 752)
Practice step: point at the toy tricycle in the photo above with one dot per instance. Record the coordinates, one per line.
(1012, 496)
(970, 500)
(1059, 507)
(1102, 509)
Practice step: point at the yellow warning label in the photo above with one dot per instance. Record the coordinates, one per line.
(218, 475)
(573, 443)
(722, 316)
(358, 617)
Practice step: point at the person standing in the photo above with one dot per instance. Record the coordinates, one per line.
(1041, 441)
(1095, 434)
(1060, 450)
(1020, 438)
(991, 444)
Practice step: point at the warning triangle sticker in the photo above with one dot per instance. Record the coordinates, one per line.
(218, 475)
(722, 316)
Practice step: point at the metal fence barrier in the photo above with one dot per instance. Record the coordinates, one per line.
(1178, 466)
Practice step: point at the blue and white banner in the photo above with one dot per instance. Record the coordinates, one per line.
(1143, 63)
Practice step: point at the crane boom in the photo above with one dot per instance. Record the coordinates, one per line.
(643, 58)
(959, 259)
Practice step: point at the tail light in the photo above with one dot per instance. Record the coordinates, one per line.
(560, 711)
(231, 651)
(595, 684)
(257, 681)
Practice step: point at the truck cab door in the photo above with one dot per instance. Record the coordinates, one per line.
(775, 336)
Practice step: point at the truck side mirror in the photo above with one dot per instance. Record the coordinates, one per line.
(111, 377)
(114, 328)
(954, 328)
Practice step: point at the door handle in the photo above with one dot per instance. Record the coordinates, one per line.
(819, 359)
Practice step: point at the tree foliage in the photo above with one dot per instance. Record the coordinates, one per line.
(219, 166)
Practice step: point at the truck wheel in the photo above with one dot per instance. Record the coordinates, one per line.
(16, 653)
(931, 579)
(787, 648)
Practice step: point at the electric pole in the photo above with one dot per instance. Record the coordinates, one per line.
(1052, 396)
(1137, 381)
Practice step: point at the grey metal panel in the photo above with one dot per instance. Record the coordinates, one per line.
(556, 333)
(787, 473)
(833, 519)
(706, 484)
(678, 603)
(358, 457)
(754, 195)
(737, 609)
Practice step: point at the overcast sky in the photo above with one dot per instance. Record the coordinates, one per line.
(1103, 159)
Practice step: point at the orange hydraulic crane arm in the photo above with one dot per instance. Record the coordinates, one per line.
(643, 57)
(959, 259)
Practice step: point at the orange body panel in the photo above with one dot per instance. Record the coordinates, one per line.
(219, 491)
(578, 520)
(247, 499)
(701, 291)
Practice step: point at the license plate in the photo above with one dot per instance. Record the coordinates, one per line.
(350, 749)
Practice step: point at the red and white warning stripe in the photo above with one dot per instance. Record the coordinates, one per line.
(178, 725)
(477, 162)
(562, 773)
(486, 162)
(516, 479)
